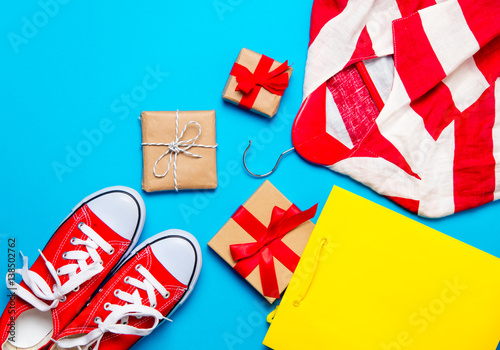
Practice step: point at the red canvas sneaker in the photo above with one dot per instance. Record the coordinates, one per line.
(146, 289)
(88, 244)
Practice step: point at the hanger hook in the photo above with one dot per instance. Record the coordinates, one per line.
(266, 174)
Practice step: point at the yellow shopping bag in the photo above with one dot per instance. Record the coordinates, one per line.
(370, 279)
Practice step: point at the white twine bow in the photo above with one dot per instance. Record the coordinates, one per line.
(176, 147)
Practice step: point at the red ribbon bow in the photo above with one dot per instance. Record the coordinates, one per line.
(268, 245)
(275, 81)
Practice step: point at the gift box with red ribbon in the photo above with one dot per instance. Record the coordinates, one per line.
(257, 82)
(264, 239)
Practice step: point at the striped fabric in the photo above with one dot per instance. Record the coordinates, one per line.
(434, 147)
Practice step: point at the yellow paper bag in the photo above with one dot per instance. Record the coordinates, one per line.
(371, 279)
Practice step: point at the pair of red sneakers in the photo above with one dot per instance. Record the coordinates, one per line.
(90, 288)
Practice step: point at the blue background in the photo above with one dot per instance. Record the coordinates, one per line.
(67, 70)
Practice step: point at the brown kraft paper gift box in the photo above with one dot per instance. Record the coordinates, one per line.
(192, 173)
(266, 103)
(261, 205)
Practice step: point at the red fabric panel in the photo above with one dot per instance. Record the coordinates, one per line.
(364, 48)
(359, 112)
(309, 137)
(437, 109)
(414, 58)
(483, 18)
(410, 204)
(375, 145)
(354, 102)
(487, 60)
(474, 164)
(322, 12)
(407, 7)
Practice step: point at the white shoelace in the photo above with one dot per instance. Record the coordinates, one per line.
(40, 290)
(117, 320)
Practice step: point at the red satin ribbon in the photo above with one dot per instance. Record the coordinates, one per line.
(275, 81)
(268, 245)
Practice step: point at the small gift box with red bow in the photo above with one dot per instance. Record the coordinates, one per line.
(257, 82)
(264, 239)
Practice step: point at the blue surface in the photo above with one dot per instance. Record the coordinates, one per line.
(73, 74)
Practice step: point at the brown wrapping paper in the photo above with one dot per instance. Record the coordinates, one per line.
(192, 173)
(261, 205)
(266, 103)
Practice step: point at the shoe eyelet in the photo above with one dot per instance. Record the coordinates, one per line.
(73, 240)
(106, 306)
(154, 305)
(138, 266)
(124, 322)
(111, 251)
(101, 262)
(76, 289)
(116, 292)
(63, 299)
(126, 279)
(80, 225)
(138, 317)
(166, 295)
(97, 320)
(65, 254)
(58, 272)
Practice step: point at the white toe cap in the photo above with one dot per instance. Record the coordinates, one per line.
(121, 208)
(179, 255)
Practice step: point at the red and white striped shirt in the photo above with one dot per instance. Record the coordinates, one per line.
(424, 129)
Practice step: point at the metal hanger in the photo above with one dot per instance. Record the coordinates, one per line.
(266, 174)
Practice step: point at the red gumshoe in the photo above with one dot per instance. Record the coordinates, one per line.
(146, 289)
(99, 233)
